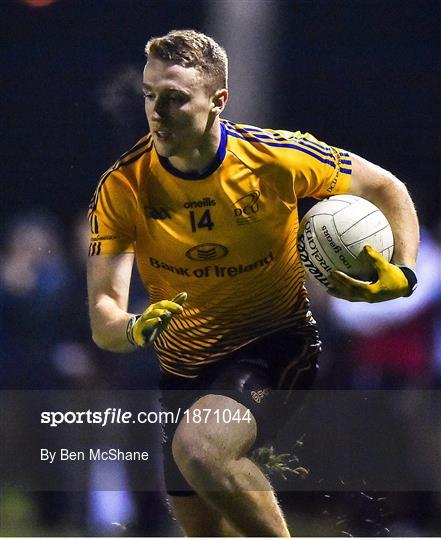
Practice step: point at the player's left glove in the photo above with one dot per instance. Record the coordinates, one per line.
(393, 281)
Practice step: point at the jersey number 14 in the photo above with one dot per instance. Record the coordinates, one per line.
(204, 221)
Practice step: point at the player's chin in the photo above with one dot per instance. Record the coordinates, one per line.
(164, 148)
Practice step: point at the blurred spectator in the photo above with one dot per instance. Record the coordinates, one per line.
(46, 344)
(33, 277)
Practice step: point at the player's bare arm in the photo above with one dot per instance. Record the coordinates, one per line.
(397, 278)
(384, 190)
(113, 328)
(108, 284)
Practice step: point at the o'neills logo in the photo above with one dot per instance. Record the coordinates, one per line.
(206, 201)
(311, 257)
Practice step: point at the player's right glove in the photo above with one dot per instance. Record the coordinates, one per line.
(144, 328)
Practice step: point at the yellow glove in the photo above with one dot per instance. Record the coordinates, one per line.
(392, 282)
(143, 329)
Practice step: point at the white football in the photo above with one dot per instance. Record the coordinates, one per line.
(333, 233)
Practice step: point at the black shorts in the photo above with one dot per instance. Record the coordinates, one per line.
(265, 376)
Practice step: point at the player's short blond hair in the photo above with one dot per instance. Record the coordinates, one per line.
(189, 48)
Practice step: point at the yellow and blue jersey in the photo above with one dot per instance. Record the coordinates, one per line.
(228, 237)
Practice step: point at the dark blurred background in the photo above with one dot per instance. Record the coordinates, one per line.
(363, 75)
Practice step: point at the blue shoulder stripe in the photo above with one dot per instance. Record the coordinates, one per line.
(293, 146)
(279, 145)
(261, 134)
(94, 201)
(146, 150)
(277, 137)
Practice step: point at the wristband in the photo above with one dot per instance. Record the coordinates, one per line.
(411, 277)
(129, 329)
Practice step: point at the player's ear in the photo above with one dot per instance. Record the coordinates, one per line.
(219, 101)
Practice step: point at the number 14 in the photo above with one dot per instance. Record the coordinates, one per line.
(205, 221)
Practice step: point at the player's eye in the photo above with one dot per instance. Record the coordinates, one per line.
(177, 99)
(148, 95)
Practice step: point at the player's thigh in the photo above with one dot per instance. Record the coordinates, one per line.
(216, 428)
(197, 518)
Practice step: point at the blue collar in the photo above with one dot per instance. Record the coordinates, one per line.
(215, 164)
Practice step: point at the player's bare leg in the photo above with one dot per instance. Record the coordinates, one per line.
(211, 457)
(198, 518)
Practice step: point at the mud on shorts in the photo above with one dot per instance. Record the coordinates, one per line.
(253, 376)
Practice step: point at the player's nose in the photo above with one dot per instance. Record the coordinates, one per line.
(160, 109)
(155, 116)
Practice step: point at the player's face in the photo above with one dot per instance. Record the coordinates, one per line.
(178, 106)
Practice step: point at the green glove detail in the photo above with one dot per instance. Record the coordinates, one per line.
(391, 282)
(143, 329)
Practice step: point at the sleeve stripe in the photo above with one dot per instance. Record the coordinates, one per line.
(275, 136)
(145, 140)
(293, 146)
(94, 248)
(261, 134)
(131, 160)
(146, 147)
(321, 149)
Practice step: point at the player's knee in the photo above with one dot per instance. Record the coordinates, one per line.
(191, 453)
(209, 445)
